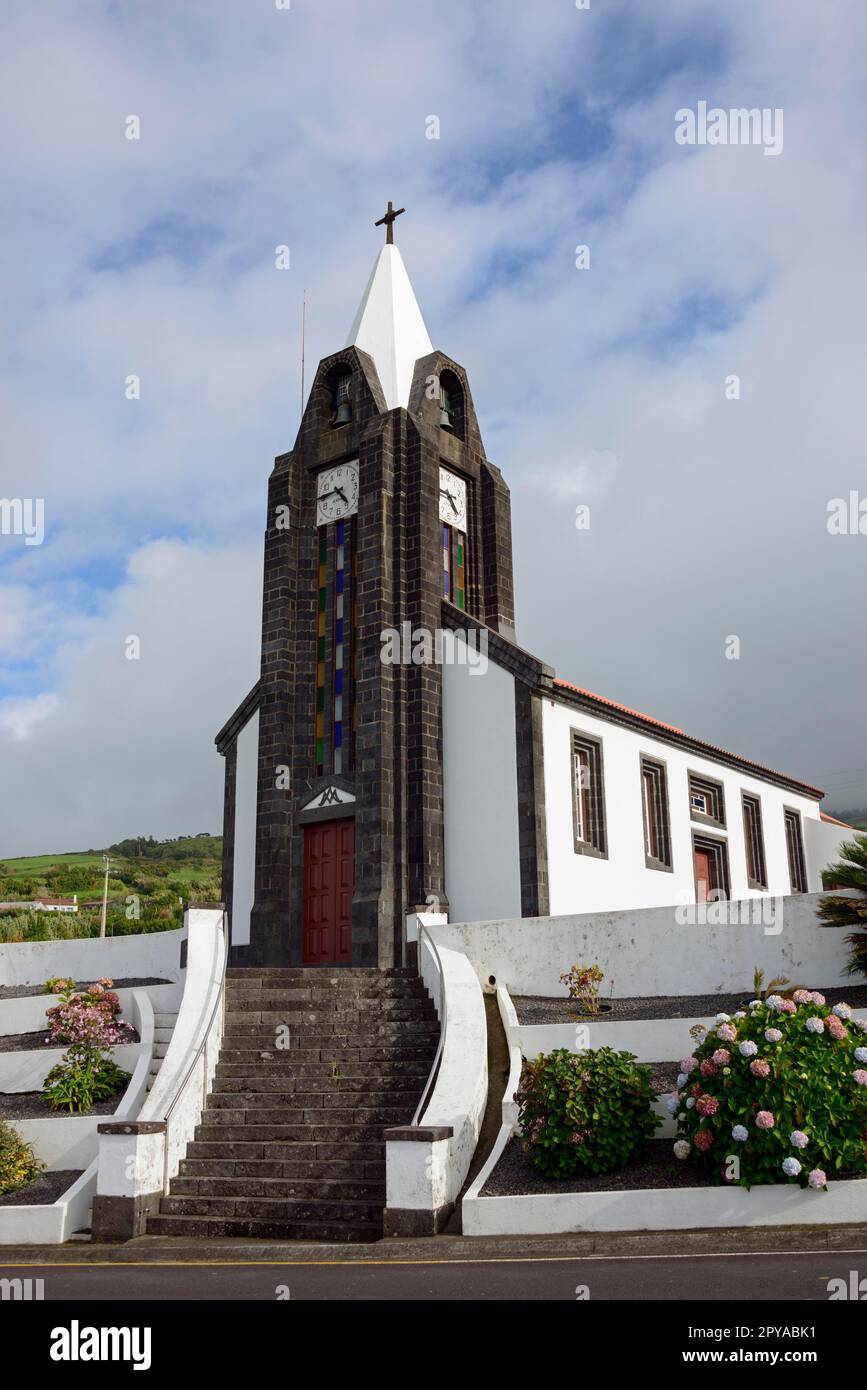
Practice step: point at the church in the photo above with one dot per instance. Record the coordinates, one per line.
(401, 752)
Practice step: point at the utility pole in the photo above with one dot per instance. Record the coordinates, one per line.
(106, 861)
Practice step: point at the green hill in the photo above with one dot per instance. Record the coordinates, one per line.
(150, 882)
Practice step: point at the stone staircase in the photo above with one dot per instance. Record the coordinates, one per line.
(164, 1026)
(315, 1064)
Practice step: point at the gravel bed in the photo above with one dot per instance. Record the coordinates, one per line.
(32, 1105)
(44, 1190)
(536, 1008)
(27, 991)
(664, 1077)
(35, 1042)
(654, 1166)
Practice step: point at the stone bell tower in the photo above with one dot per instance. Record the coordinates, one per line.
(385, 521)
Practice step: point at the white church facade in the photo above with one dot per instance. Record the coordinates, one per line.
(364, 785)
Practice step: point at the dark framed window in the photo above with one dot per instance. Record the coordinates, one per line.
(706, 800)
(795, 851)
(711, 864)
(588, 796)
(754, 840)
(654, 806)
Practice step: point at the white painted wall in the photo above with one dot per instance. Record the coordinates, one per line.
(649, 952)
(823, 842)
(482, 869)
(581, 883)
(149, 955)
(244, 845)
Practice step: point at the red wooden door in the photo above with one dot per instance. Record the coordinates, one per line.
(703, 882)
(329, 883)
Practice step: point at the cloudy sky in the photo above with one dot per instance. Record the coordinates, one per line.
(606, 386)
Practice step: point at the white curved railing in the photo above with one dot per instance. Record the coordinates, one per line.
(427, 1161)
(138, 1158)
(431, 971)
(509, 1125)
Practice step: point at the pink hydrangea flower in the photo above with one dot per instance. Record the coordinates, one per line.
(773, 1035)
(707, 1068)
(817, 1179)
(726, 1033)
(798, 1139)
(860, 1077)
(721, 1057)
(703, 1139)
(788, 1006)
(765, 1120)
(759, 1067)
(689, 1064)
(802, 996)
(836, 1029)
(709, 1105)
(818, 998)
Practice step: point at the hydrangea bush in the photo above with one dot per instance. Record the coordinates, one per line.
(584, 1112)
(87, 1017)
(781, 1086)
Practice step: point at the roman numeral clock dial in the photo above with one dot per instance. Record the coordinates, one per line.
(337, 493)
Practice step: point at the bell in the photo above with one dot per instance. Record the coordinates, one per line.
(445, 419)
(344, 413)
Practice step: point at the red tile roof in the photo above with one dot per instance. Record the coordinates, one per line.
(673, 729)
(834, 821)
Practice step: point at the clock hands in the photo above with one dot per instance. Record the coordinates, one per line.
(335, 492)
(445, 493)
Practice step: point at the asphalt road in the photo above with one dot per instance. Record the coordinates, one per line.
(757, 1275)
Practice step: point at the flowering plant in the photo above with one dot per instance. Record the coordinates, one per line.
(791, 1102)
(583, 983)
(85, 1016)
(584, 1112)
(18, 1164)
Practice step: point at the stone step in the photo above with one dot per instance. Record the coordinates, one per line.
(249, 1150)
(327, 989)
(291, 1084)
(282, 1102)
(282, 1067)
(235, 1114)
(299, 1015)
(311, 1001)
(322, 972)
(330, 1054)
(284, 1189)
(298, 1027)
(311, 1170)
(246, 1228)
(350, 1131)
(273, 1209)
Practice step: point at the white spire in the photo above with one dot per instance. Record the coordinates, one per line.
(390, 327)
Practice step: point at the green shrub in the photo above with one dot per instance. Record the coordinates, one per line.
(781, 1087)
(18, 1163)
(83, 1076)
(584, 1112)
(850, 873)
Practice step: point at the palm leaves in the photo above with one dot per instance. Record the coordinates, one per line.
(850, 873)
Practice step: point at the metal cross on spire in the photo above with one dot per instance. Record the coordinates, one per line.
(388, 222)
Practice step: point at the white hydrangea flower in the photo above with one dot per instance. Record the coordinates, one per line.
(748, 1048)
(791, 1167)
(671, 1105)
(682, 1079)
(722, 1018)
(690, 1102)
(740, 1134)
(681, 1148)
(861, 1054)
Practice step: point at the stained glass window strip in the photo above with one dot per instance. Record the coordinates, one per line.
(322, 607)
(339, 644)
(454, 566)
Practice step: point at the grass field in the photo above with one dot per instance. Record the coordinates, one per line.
(150, 883)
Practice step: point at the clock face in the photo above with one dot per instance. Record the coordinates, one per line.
(453, 500)
(337, 492)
